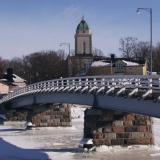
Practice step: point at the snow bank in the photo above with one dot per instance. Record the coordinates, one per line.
(77, 111)
(86, 141)
(29, 124)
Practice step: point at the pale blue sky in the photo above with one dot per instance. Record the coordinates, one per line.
(27, 26)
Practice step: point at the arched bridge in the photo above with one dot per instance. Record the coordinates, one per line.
(129, 93)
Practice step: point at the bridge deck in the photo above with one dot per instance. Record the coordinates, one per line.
(137, 94)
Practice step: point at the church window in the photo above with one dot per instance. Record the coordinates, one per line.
(84, 47)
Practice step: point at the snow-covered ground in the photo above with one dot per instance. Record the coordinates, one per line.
(17, 143)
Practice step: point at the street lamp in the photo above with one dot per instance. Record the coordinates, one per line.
(150, 11)
(68, 44)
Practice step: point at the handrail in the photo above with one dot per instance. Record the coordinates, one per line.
(148, 82)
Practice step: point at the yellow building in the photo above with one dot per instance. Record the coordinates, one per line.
(119, 66)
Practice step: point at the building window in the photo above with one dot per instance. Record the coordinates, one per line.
(119, 66)
(84, 48)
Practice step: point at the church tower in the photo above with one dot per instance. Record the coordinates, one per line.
(83, 39)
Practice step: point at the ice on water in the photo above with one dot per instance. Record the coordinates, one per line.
(17, 143)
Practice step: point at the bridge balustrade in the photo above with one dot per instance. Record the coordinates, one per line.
(89, 84)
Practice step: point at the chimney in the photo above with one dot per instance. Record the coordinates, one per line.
(112, 57)
(10, 74)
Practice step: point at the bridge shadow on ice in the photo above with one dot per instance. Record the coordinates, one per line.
(9, 151)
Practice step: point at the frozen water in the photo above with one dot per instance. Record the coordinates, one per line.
(59, 143)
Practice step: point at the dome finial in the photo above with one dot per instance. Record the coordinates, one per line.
(83, 19)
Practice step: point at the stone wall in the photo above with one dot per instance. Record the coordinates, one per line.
(18, 114)
(42, 115)
(108, 127)
(51, 115)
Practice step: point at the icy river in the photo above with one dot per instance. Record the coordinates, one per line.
(17, 143)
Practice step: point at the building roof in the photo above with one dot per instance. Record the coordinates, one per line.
(129, 63)
(83, 25)
(126, 61)
(14, 77)
(138, 61)
(100, 63)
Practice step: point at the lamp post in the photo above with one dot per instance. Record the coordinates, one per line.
(68, 44)
(150, 11)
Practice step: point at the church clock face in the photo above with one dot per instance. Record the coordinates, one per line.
(83, 39)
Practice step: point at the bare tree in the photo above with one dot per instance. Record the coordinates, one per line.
(72, 52)
(45, 65)
(76, 66)
(156, 58)
(61, 54)
(127, 47)
(142, 50)
(2, 65)
(17, 65)
(97, 52)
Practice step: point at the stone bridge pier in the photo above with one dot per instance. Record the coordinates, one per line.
(45, 115)
(50, 115)
(109, 127)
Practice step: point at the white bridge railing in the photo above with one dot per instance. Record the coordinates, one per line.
(92, 85)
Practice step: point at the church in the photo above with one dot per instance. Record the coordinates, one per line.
(83, 39)
(83, 62)
(83, 58)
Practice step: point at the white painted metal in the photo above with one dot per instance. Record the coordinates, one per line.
(134, 91)
(88, 84)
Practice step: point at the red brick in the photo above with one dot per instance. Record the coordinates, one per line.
(34, 118)
(99, 142)
(145, 128)
(130, 117)
(54, 124)
(128, 123)
(144, 141)
(118, 129)
(141, 117)
(152, 141)
(59, 124)
(98, 136)
(44, 113)
(142, 128)
(68, 109)
(49, 124)
(149, 128)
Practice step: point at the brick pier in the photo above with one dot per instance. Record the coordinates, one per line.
(46, 115)
(51, 115)
(108, 127)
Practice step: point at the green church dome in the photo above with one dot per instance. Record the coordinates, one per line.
(83, 25)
